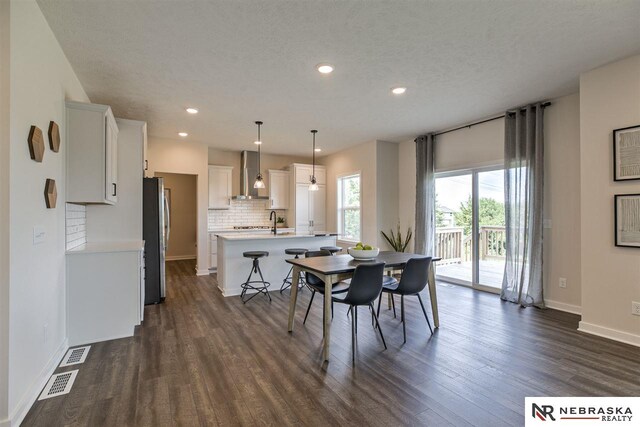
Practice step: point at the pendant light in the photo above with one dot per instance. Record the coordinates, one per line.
(313, 186)
(259, 182)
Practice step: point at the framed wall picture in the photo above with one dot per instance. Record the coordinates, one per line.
(627, 220)
(626, 153)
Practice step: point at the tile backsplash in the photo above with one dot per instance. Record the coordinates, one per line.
(76, 225)
(241, 213)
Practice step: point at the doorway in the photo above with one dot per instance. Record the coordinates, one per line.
(181, 195)
(470, 227)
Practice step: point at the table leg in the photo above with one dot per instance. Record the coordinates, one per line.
(389, 296)
(326, 330)
(432, 295)
(294, 295)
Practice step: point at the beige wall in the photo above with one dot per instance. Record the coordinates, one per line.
(184, 214)
(5, 164)
(562, 203)
(562, 187)
(184, 157)
(360, 158)
(609, 99)
(268, 161)
(41, 79)
(377, 162)
(387, 182)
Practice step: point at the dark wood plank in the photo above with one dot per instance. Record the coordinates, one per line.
(201, 359)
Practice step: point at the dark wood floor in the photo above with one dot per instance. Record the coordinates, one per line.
(201, 359)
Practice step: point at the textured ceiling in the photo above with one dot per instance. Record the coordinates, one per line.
(241, 61)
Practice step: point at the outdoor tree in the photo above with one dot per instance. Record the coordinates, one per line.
(490, 211)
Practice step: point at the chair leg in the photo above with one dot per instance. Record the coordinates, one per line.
(313, 294)
(404, 325)
(286, 283)
(353, 338)
(332, 310)
(425, 314)
(378, 325)
(379, 302)
(266, 284)
(355, 317)
(393, 304)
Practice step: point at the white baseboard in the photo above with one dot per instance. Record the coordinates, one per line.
(569, 308)
(180, 257)
(612, 334)
(21, 410)
(202, 272)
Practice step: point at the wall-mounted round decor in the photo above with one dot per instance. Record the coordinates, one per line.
(50, 193)
(36, 144)
(54, 136)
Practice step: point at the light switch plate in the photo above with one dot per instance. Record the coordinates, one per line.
(39, 235)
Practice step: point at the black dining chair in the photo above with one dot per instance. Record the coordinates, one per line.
(365, 287)
(315, 284)
(414, 279)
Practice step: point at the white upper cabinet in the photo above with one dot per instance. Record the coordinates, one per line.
(220, 187)
(308, 208)
(92, 154)
(278, 189)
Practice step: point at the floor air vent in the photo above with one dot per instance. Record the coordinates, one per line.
(75, 356)
(59, 384)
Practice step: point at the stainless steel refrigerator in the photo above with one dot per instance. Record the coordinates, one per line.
(156, 226)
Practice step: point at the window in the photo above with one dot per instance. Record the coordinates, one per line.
(349, 218)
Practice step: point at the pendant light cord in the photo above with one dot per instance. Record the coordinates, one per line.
(313, 156)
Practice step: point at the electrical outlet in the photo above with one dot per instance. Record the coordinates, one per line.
(635, 308)
(562, 282)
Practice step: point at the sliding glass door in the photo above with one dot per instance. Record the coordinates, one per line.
(470, 232)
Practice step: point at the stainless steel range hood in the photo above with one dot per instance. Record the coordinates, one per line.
(248, 173)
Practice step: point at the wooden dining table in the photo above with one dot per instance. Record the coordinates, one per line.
(332, 269)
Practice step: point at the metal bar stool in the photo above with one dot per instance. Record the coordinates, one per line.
(286, 283)
(332, 249)
(248, 285)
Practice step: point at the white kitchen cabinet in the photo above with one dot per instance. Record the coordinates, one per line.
(308, 208)
(92, 154)
(105, 291)
(220, 180)
(278, 189)
(213, 251)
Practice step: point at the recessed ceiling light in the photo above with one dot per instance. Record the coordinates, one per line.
(183, 134)
(192, 110)
(317, 150)
(324, 68)
(398, 90)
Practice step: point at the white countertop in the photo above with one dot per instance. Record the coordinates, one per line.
(97, 247)
(250, 231)
(271, 236)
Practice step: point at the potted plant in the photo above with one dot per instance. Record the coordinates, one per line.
(280, 222)
(396, 241)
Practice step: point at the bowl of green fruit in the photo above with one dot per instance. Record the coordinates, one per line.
(362, 252)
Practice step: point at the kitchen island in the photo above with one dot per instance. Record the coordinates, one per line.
(233, 268)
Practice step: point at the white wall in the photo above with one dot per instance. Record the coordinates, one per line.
(484, 145)
(41, 80)
(172, 156)
(5, 164)
(609, 99)
(184, 214)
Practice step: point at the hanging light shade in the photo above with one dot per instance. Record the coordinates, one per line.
(259, 181)
(313, 186)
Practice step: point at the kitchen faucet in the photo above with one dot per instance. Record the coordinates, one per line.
(273, 216)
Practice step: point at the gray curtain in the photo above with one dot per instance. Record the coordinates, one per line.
(523, 178)
(425, 195)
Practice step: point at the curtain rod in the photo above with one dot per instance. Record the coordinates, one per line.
(544, 104)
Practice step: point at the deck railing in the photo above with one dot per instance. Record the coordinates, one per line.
(454, 247)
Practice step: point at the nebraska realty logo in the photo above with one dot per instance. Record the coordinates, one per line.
(582, 411)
